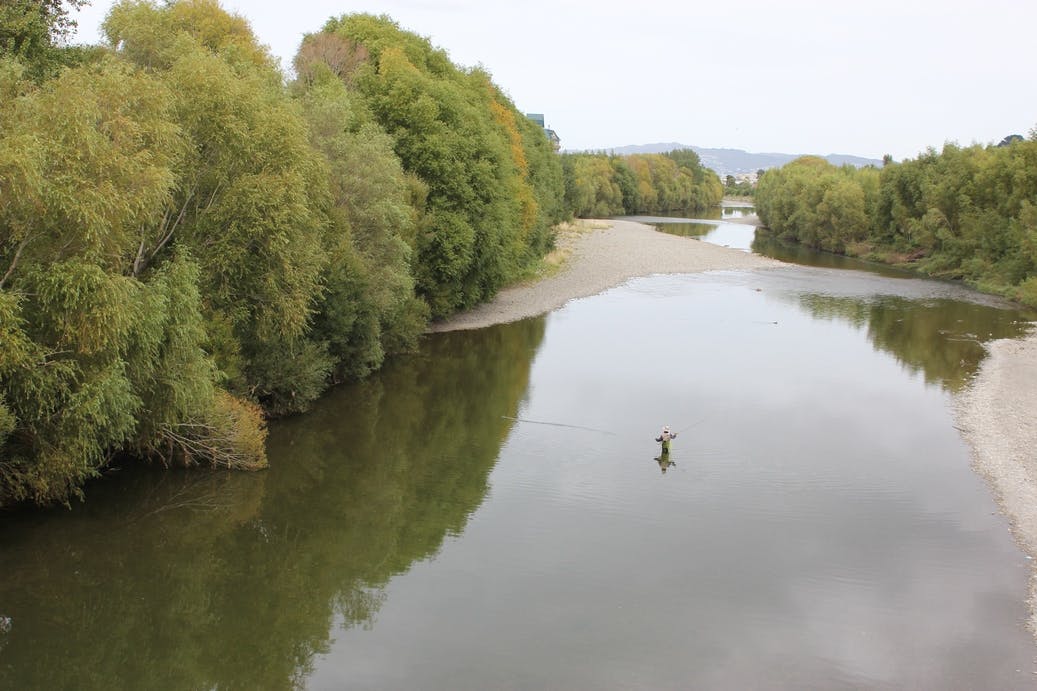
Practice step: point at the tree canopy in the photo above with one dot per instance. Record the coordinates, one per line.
(961, 213)
(601, 185)
(34, 32)
(189, 244)
(489, 183)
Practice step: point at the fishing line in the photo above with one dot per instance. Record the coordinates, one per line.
(694, 424)
(557, 424)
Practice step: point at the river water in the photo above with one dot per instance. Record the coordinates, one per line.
(493, 512)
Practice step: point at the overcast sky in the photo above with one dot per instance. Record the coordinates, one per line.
(797, 76)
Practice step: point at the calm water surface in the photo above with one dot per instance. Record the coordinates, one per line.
(491, 513)
(716, 226)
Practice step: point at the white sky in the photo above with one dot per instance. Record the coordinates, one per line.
(796, 76)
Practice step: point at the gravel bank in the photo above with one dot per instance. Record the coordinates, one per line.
(600, 259)
(996, 417)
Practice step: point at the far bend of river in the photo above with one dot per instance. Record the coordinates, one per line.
(819, 525)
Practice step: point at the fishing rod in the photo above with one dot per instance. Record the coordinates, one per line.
(557, 424)
(694, 424)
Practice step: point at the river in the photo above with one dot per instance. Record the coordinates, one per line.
(493, 512)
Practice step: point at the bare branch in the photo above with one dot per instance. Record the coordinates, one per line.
(14, 262)
(140, 253)
(213, 197)
(168, 231)
(205, 442)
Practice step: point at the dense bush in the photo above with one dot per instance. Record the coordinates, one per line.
(188, 244)
(964, 213)
(600, 185)
(491, 184)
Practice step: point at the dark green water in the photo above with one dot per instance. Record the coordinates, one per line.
(819, 526)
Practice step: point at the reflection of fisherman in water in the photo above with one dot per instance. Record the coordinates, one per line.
(664, 461)
(664, 456)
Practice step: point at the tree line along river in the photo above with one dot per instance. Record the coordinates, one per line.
(819, 524)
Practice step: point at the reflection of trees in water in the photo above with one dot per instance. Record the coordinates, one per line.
(686, 229)
(766, 244)
(201, 580)
(737, 211)
(943, 339)
(118, 593)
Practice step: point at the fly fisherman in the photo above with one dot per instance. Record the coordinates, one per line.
(665, 438)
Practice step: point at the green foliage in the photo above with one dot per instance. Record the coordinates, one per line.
(33, 31)
(734, 188)
(98, 357)
(491, 185)
(963, 213)
(182, 236)
(598, 185)
(8, 422)
(288, 373)
(250, 194)
(626, 179)
(593, 190)
(174, 376)
(99, 362)
(102, 306)
(87, 161)
(368, 308)
(818, 204)
(151, 34)
(95, 362)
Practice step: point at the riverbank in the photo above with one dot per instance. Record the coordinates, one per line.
(995, 416)
(600, 255)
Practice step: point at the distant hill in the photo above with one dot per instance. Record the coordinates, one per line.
(734, 161)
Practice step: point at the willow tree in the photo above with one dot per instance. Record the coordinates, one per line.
(961, 213)
(34, 32)
(481, 219)
(594, 190)
(249, 195)
(603, 185)
(368, 308)
(99, 357)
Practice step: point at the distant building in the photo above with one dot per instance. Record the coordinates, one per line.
(552, 136)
